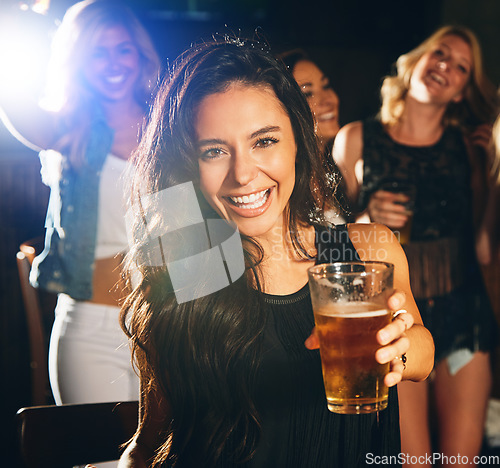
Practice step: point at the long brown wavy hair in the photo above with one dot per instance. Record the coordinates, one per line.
(201, 356)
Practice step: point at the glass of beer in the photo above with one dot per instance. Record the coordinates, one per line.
(409, 191)
(349, 300)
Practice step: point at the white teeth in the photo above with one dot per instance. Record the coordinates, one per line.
(437, 78)
(328, 116)
(115, 79)
(252, 201)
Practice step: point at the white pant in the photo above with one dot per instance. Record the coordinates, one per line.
(89, 356)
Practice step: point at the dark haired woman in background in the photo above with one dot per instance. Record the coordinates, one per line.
(321, 97)
(324, 103)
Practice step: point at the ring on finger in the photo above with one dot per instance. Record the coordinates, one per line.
(399, 314)
(402, 358)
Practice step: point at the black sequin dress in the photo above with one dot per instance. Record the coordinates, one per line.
(445, 277)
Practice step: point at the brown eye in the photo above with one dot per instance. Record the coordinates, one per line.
(211, 153)
(265, 142)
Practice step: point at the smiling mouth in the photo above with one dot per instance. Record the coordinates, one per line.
(252, 201)
(115, 79)
(327, 116)
(437, 78)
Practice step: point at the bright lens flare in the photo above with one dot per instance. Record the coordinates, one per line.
(24, 52)
(41, 6)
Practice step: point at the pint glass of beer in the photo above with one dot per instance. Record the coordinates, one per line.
(349, 300)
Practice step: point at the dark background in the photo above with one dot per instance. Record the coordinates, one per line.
(355, 42)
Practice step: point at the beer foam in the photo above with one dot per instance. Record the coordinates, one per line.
(353, 310)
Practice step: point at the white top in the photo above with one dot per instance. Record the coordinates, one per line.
(111, 231)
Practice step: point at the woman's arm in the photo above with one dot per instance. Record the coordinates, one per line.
(487, 242)
(383, 207)
(483, 154)
(406, 335)
(348, 156)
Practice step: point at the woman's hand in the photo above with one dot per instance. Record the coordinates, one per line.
(388, 208)
(392, 338)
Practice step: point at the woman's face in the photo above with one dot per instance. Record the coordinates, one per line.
(442, 73)
(322, 99)
(247, 151)
(112, 65)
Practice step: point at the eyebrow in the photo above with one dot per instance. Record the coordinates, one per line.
(309, 83)
(212, 141)
(261, 131)
(269, 128)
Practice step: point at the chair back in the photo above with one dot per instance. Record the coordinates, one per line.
(38, 338)
(68, 435)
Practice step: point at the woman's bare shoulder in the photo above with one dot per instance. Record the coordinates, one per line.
(371, 233)
(376, 242)
(349, 134)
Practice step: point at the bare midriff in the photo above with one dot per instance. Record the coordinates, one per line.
(108, 284)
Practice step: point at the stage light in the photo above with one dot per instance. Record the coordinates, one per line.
(24, 49)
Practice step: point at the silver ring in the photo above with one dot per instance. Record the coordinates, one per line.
(399, 312)
(397, 316)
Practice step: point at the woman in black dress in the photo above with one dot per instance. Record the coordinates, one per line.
(226, 377)
(423, 137)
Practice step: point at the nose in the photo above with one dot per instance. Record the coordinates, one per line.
(335, 99)
(244, 168)
(113, 60)
(443, 63)
(328, 97)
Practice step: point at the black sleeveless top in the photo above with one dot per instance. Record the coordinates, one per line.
(297, 428)
(440, 174)
(444, 274)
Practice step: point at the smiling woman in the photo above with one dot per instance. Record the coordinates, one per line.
(321, 96)
(101, 73)
(226, 378)
(324, 103)
(251, 176)
(113, 64)
(424, 141)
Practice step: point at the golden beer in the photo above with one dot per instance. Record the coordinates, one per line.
(354, 380)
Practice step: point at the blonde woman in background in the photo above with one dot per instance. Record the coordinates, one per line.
(434, 111)
(102, 70)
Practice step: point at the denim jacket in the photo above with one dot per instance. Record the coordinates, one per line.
(66, 264)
